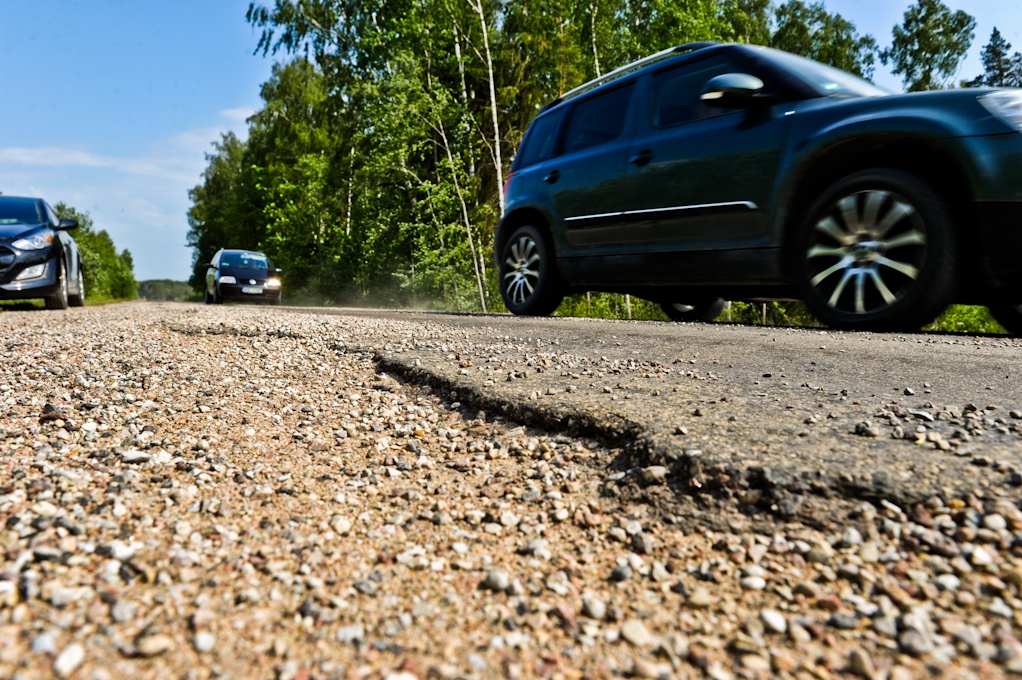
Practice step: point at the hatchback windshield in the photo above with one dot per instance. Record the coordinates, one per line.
(245, 260)
(827, 80)
(19, 211)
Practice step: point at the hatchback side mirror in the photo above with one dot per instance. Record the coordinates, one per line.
(280, 271)
(67, 225)
(734, 91)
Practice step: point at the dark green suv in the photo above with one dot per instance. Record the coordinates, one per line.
(710, 172)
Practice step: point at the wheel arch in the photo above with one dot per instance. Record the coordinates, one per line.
(518, 218)
(934, 161)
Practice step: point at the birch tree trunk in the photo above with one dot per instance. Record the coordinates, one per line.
(464, 98)
(464, 214)
(497, 165)
(592, 33)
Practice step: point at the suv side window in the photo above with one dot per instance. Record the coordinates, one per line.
(598, 120)
(676, 92)
(539, 145)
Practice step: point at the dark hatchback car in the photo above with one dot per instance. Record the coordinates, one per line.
(243, 275)
(38, 258)
(712, 171)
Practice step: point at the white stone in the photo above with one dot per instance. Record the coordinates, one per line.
(774, 621)
(68, 660)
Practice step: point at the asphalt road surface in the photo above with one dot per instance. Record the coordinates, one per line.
(793, 420)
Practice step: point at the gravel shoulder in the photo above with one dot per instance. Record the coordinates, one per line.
(239, 492)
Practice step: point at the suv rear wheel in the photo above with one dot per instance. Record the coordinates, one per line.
(877, 253)
(529, 282)
(705, 310)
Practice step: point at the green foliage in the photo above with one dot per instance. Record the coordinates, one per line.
(929, 46)
(810, 31)
(610, 306)
(108, 275)
(164, 289)
(967, 319)
(1000, 67)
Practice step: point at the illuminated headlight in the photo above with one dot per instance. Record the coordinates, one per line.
(228, 279)
(33, 272)
(272, 283)
(43, 239)
(1006, 105)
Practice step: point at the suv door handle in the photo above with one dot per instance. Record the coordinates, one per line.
(642, 158)
(552, 177)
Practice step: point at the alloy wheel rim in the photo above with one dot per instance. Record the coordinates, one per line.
(521, 278)
(866, 252)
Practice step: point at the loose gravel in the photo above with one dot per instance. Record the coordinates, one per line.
(240, 492)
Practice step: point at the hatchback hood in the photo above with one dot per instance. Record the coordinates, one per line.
(11, 232)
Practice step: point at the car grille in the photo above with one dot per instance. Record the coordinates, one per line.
(6, 259)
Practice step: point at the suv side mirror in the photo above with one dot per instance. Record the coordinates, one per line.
(211, 265)
(67, 225)
(733, 91)
(279, 270)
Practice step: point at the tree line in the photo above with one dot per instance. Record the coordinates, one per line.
(373, 171)
(108, 275)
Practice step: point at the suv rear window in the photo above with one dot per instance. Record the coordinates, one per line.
(598, 120)
(539, 145)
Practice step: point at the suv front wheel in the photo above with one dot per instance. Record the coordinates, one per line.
(529, 282)
(877, 253)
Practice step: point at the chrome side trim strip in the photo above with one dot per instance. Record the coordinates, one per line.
(748, 205)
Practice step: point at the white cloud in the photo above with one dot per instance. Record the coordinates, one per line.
(142, 201)
(239, 115)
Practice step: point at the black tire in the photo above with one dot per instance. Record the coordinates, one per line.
(889, 235)
(217, 299)
(1009, 316)
(59, 301)
(206, 297)
(78, 300)
(529, 282)
(705, 310)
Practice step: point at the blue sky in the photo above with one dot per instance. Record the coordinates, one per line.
(112, 104)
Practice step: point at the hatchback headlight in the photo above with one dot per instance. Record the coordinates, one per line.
(43, 239)
(273, 283)
(228, 279)
(1005, 105)
(33, 272)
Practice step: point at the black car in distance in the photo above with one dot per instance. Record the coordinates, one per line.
(242, 275)
(720, 171)
(38, 258)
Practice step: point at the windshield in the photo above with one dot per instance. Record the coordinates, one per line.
(827, 80)
(245, 260)
(19, 211)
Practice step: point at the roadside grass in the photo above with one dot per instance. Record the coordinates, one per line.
(38, 303)
(956, 319)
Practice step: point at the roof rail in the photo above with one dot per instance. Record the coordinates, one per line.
(629, 68)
